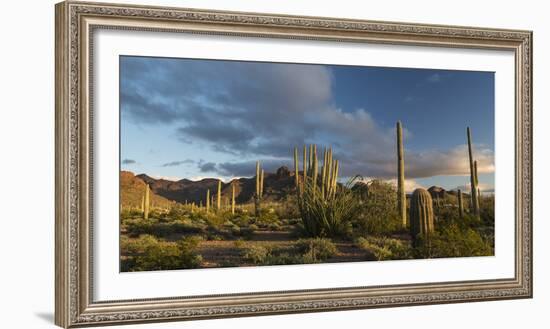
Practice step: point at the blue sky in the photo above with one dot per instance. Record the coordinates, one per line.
(188, 118)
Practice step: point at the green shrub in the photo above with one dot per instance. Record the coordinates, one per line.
(377, 213)
(149, 254)
(384, 248)
(274, 226)
(454, 241)
(316, 249)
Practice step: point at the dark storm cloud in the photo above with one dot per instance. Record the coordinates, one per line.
(128, 161)
(248, 168)
(177, 163)
(255, 110)
(207, 166)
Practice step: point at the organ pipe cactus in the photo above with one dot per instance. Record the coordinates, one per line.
(146, 202)
(401, 199)
(473, 183)
(421, 215)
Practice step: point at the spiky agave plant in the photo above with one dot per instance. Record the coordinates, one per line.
(325, 207)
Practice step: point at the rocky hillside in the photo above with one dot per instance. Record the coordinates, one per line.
(276, 187)
(132, 189)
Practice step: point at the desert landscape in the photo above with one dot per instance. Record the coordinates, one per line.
(300, 215)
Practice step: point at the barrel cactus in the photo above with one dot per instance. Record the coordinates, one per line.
(421, 214)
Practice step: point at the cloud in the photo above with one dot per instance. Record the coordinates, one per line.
(483, 187)
(206, 166)
(177, 163)
(262, 111)
(128, 161)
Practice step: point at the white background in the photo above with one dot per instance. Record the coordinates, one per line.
(27, 163)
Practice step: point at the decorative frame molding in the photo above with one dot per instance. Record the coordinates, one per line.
(76, 22)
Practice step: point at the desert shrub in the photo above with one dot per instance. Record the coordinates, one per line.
(384, 248)
(268, 215)
(487, 210)
(316, 249)
(256, 254)
(150, 254)
(129, 213)
(253, 227)
(377, 213)
(454, 241)
(235, 230)
(326, 216)
(163, 229)
(274, 226)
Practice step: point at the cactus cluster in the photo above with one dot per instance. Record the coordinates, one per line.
(421, 214)
(323, 183)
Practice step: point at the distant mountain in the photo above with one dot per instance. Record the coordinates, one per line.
(132, 189)
(276, 187)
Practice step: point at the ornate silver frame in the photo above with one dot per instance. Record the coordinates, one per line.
(75, 23)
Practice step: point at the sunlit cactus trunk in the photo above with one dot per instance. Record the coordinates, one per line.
(473, 183)
(207, 200)
(219, 198)
(258, 195)
(460, 205)
(421, 215)
(296, 171)
(401, 199)
(314, 170)
(233, 199)
(146, 202)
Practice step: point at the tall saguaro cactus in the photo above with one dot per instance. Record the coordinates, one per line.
(296, 171)
(207, 200)
(146, 202)
(401, 199)
(232, 198)
(421, 214)
(259, 188)
(219, 197)
(460, 204)
(473, 180)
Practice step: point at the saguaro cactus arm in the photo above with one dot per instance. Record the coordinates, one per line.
(473, 187)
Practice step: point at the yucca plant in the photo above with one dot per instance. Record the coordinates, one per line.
(325, 207)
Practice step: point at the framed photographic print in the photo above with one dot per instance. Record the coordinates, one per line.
(219, 164)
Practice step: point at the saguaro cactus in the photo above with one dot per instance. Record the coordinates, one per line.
(262, 183)
(401, 199)
(146, 202)
(219, 198)
(258, 195)
(460, 205)
(473, 183)
(233, 199)
(296, 165)
(207, 200)
(421, 214)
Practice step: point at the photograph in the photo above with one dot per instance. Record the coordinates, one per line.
(242, 163)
